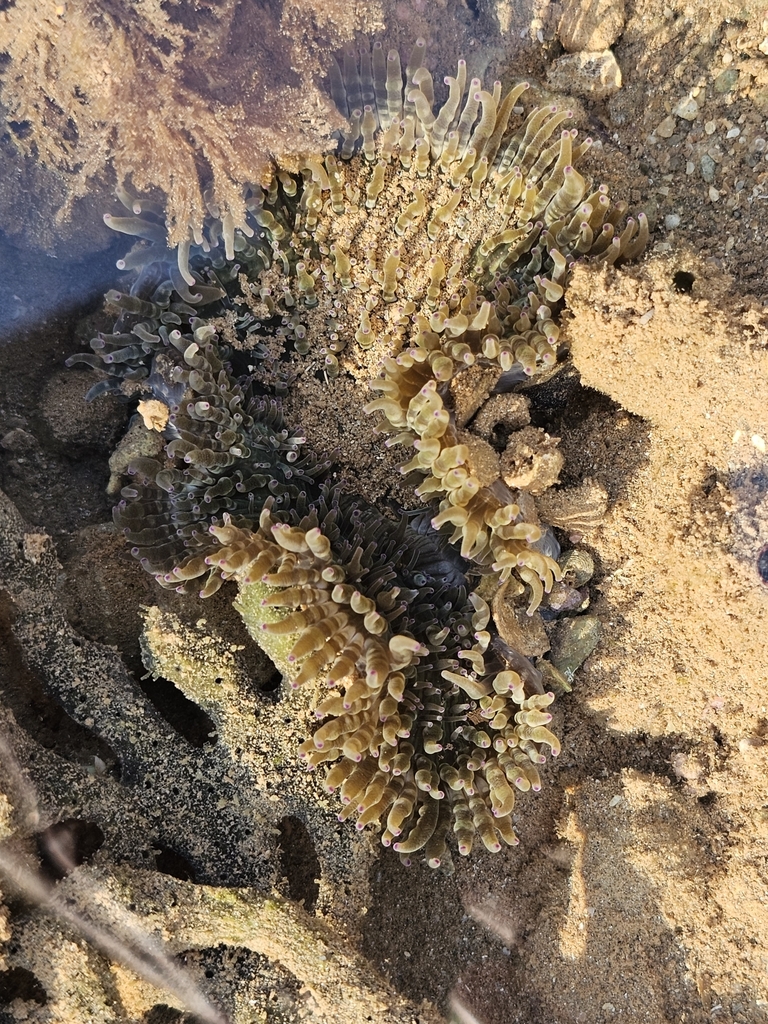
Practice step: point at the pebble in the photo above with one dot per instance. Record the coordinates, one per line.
(710, 127)
(672, 221)
(591, 73)
(714, 195)
(708, 167)
(687, 108)
(667, 127)
(733, 133)
(726, 80)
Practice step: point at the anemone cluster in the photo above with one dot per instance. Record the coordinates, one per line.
(437, 238)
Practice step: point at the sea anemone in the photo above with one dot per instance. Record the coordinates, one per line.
(436, 239)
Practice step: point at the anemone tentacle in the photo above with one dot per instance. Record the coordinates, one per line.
(438, 238)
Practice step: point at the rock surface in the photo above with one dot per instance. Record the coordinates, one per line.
(591, 24)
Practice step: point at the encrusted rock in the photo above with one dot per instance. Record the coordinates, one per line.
(511, 411)
(591, 24)
(470, 389)
(138, 442)
(593, 73)
(576, 509)
(483, 460)
(531, 460)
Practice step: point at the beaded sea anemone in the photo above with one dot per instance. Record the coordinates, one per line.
(434, 240)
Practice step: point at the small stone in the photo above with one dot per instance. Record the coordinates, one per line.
(591, 24)
(687, 108)
(710, 127)
(690, 167)
(591, 73)
(667, 127)
(708, 166)
(733, 133)
(714, 195)
(672, 221)
(758, 145)
(726, 80)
